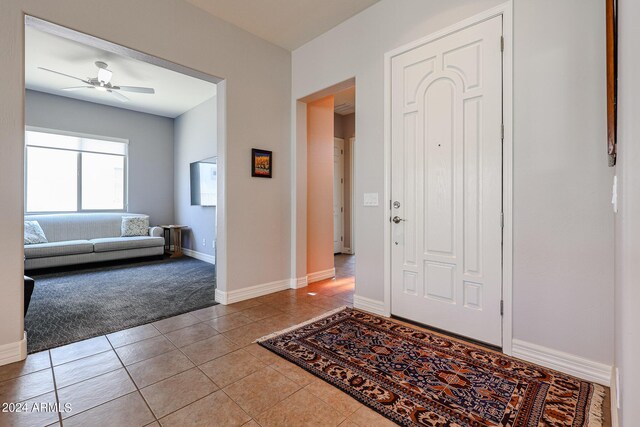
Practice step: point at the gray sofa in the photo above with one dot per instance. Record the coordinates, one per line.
(88, 237)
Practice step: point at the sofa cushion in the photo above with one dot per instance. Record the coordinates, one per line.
(135, 226)
(70, 247)
(33, 233)
(108, 244)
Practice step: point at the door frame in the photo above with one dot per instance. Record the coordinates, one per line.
(352, 192)
(506, 11)
(341, 215)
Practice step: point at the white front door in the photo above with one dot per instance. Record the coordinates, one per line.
(446, 125)
(338, 194)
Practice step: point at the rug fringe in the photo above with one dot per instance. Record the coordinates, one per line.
(299, 325)
(596, 412)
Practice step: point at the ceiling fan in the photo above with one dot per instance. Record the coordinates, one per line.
(103, 83)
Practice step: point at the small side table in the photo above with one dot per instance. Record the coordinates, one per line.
(177, 239)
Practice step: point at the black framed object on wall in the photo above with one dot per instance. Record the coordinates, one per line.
(261, 163)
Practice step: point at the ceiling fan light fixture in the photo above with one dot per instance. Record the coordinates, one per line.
(104, 75)
(101, 88)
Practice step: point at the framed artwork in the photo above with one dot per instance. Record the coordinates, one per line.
(612, 79)
(261, 163)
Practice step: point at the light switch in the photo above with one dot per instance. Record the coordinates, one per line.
(370, 199)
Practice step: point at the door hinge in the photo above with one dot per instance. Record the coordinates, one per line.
(501, 307)
(502, 131)
(341, 181)
(341, 209)
(341, 238)
(501, 43)
(501, 219)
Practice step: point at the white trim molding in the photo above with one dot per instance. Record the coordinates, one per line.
(506, 11)
(321, 275)
(564, 362)
(615, 397)
(300, 282)
(370, 305)
(346, 251)
(231, 297)
(14, 351)
(211, 259)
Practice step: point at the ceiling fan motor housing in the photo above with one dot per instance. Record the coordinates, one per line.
(104, 75)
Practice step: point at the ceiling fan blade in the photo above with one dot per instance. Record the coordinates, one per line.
(78, 88)
(120, 96)
(135, 89)
(63, 74)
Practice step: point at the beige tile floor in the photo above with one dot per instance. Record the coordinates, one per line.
(196, 369)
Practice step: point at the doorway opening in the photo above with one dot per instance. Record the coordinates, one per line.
(124, 160)
(325, 232)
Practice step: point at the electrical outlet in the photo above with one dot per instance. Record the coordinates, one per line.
(204, 242)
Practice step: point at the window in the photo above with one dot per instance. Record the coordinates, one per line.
(66, 173)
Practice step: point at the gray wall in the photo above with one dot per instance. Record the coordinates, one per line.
(194, 140)
(562, 222)
(627, 330)
(150, 145)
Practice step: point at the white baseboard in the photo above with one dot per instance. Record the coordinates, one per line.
(211, 259)
(346, 251)
(615, 422)
(370, 305)
(14, 351)
(321, 275)
(298, 283)
(564, 362)
(231, 297)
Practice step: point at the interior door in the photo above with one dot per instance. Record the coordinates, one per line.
(338, 194)
(446, 238)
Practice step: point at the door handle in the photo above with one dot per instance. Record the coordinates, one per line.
(397, 220)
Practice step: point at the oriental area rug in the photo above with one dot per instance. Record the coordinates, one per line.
(419, 378)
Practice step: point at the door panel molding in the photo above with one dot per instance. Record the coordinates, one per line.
(505, 11)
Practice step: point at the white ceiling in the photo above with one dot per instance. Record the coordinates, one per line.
(175, 92)
(286, 23)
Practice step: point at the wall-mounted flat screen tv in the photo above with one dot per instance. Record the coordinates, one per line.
(204, 182)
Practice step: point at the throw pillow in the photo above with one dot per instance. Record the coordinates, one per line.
(135, 226)
(33, 233)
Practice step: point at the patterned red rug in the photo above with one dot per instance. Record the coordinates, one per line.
(418, 378)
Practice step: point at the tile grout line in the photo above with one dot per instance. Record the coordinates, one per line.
(28, 373)
(75, 360)
(241, 408)
(55, 389)
(194, 367)
(170, 376)
(209, 378)
(191, 403)
(115, 398)
(134, 383)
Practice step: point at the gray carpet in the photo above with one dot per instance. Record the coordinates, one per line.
(70, 306)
